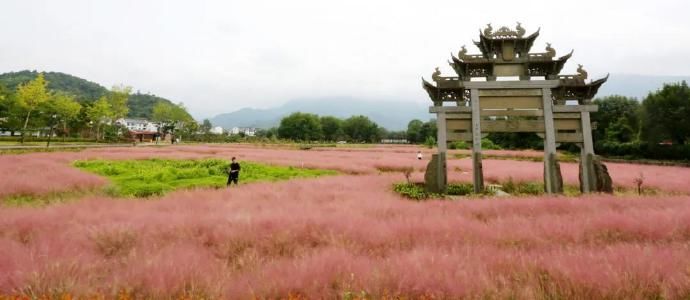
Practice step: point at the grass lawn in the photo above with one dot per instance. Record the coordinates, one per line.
(150, 177)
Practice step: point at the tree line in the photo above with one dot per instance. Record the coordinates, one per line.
(658, 127)
(308, 127)
(32, 107)
(304, 127)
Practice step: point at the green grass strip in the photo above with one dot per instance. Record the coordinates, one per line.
(154, 177)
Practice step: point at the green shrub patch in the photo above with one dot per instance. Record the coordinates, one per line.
(416, 191)
(154, 177)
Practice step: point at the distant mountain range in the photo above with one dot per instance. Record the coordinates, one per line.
(395, 115)
(389, 114)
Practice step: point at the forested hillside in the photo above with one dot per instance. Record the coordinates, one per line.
(84, 91)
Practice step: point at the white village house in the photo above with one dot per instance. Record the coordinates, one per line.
(217, 130)
(138, 124)
(248, 131)
(140, 129)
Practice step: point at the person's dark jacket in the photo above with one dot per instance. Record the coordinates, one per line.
(234, 169)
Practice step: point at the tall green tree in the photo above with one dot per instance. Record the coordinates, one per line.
(429, 130)
(172, 117)
(332, 128)
(187, 128)
(12, 114)
(300, 127)
(100, 114)
(65, 107)
(5, 105)
(272, 133)
(617, 119)
(414, 131)
(30, 96)
(117, 98)
(361, 129)
(206, 126)
(666, 114)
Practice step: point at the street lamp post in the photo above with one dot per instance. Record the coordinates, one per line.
(91, 128)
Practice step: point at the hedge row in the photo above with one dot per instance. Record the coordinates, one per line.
(637, 150)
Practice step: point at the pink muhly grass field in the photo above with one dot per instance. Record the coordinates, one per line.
(341, 236)
(348, 235)
(42, 173)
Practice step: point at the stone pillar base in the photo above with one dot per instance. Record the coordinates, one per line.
(598, 178)
(435, 180)
(554, 183)
(477, 173)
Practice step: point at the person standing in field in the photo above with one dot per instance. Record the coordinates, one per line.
(233, 172)
(419, 155)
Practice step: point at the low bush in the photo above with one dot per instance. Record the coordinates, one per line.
(414, 191)
(430, 142)
(638, 150)
(522, 187)
(417, 191)
(487, 144)
(459, 189)
(458, 145)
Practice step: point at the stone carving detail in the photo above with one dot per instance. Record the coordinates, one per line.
(504, 32)
(462, 54)
(550, 52)
(450, 96)
(478, 72)
(520, 31)
(581, 73)
(489, 30)
(436, 76)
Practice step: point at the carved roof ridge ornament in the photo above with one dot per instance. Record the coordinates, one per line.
(488, 31)
(436, 76)
(462, 54)
(520, 31)
(581, 72)
(504, 32)
(550, 51)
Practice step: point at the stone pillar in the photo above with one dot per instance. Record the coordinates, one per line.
(587, 179)
(553, 183)
(441, 173)
(477, 173)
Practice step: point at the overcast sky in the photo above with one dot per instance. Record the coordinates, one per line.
(219, 56)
